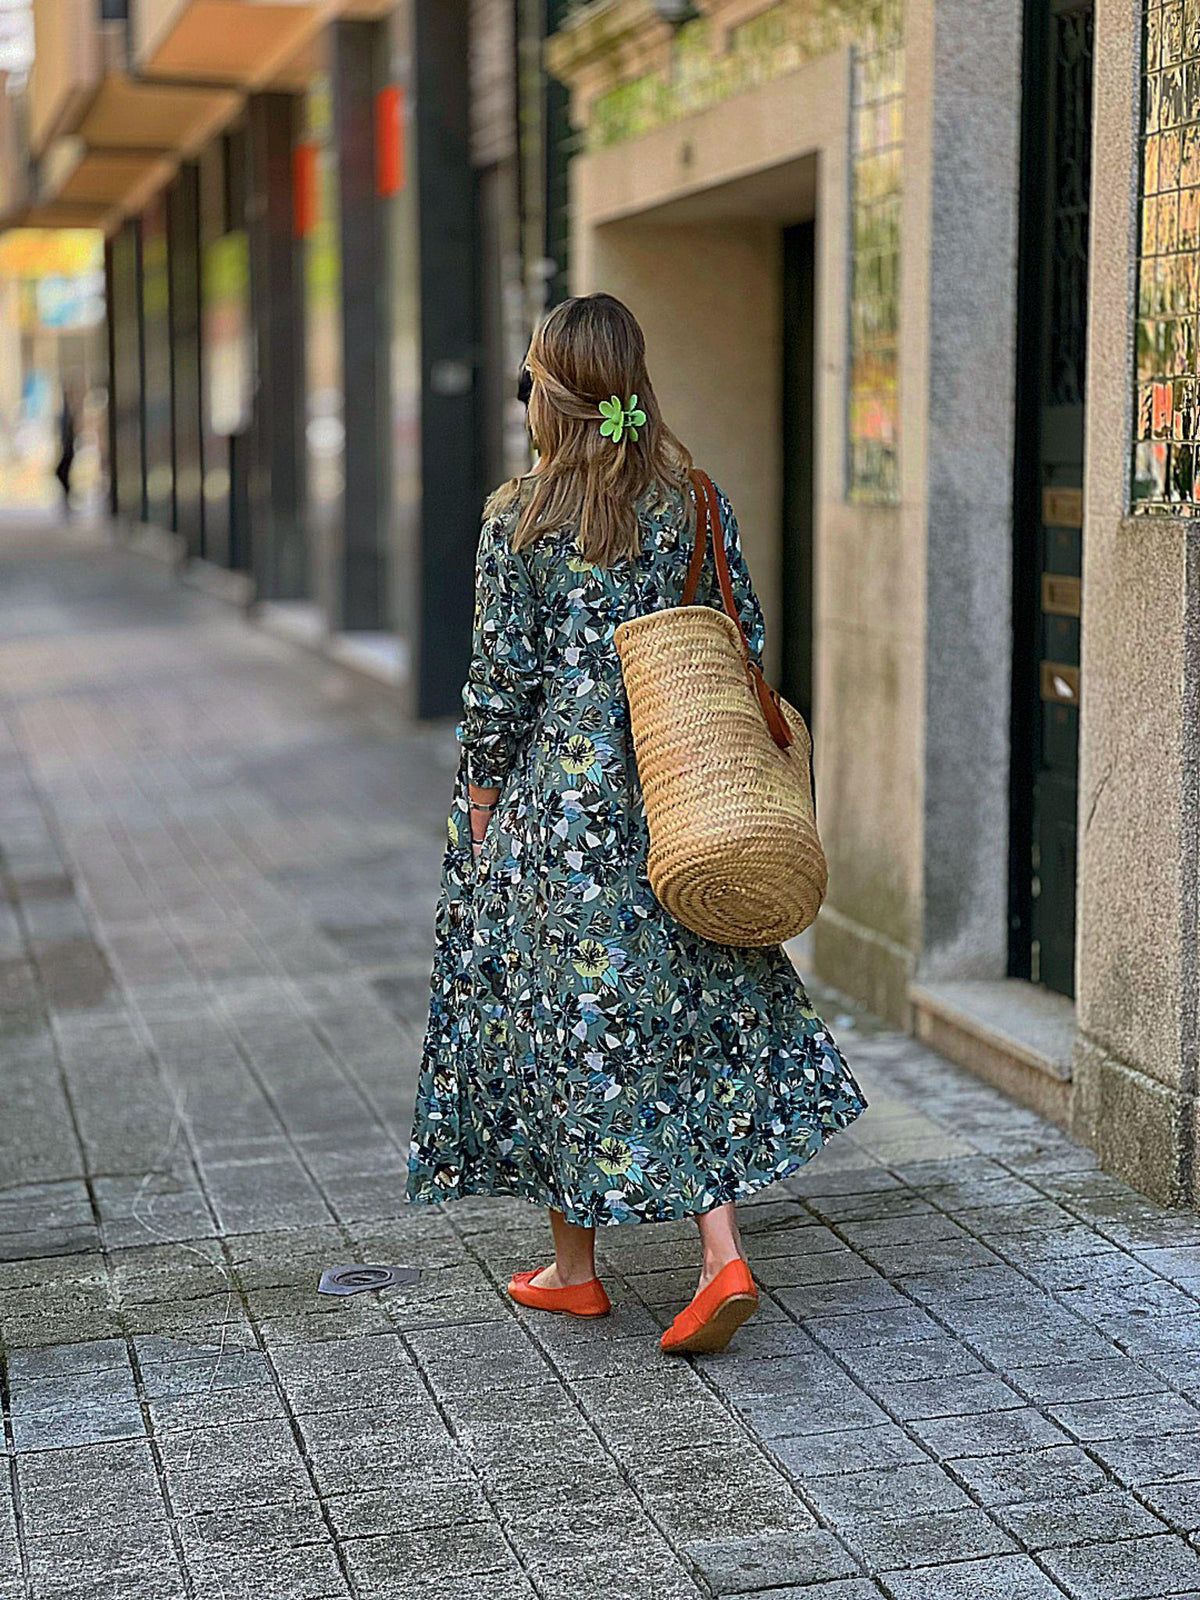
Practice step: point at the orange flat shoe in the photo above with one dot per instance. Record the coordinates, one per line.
(715, 1315)
(576, 1300)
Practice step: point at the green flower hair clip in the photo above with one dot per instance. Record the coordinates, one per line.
(621, 419)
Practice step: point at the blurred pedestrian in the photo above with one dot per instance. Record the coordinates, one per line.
(585, 1050)
(67, 425)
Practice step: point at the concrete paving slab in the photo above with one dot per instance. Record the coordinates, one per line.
(974, 1373)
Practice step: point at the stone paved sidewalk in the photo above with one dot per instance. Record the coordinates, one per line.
(977, 1368)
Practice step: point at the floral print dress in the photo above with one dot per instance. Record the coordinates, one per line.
(584, 1049)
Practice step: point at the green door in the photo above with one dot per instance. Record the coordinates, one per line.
(799, 280)
(1048, 527)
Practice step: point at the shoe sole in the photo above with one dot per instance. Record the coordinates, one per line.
(720, 1328)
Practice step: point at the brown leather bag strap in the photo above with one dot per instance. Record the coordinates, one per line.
(777, 723)
(710, 523)
(721, 560)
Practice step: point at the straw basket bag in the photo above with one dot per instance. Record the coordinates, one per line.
(725, 766)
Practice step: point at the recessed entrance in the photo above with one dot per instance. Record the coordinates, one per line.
(1048, 534)
(724, 283)
(799, 464)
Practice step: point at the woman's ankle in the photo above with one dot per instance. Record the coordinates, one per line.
(575, 1272)
(720, 1241)
(574, 1251)
(717, 1260)
(558, 1276)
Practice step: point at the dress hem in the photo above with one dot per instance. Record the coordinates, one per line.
(540, 1195)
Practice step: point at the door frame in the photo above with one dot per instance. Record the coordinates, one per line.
(1027, 488)
(798, 466)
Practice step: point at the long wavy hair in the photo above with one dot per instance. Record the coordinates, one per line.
(586, 350)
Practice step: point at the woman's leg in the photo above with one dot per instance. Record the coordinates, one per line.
(574, 1255)
(721, 1241)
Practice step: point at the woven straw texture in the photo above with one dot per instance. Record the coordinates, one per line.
(734, 850)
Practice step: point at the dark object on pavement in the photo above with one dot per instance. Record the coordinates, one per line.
(355, 1278)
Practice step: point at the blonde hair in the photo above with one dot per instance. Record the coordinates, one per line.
(589, 349)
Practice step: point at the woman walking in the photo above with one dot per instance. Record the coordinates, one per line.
(585, 1050)
(66, 446)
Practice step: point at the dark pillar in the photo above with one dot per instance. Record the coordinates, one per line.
(126, 398)
(451, 490)
(183, 233)
(242, 531)
(279, 550)
(359, 61)
(110, 328)
(438, 491)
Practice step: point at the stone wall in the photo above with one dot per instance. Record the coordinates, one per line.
(1140, 752)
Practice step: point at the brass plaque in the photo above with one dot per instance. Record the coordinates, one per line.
(1060, 594)
(1060, 682)
(1062, 508)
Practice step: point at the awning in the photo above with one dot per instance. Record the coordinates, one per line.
(249, 44)
(56, 214)
(126, 114)
(117, 183)
(126, 143)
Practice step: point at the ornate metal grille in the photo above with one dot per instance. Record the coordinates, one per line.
(1073, 56)
(1166, 465)
(873, 431)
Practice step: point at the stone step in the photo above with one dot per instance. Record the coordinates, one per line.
(1015, 1035)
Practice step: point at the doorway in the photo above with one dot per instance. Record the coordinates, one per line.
(798, 465)
(730, 340)
(1048, 501)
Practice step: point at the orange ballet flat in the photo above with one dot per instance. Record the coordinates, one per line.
(715, 1315)
(576, 1300)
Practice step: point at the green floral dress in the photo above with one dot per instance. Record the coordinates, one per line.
(584, 1049)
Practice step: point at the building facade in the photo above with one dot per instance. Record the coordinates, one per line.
(324, 255)
(884, 255)
(919, 280)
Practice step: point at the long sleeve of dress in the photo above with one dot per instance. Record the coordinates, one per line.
(749, 610)
(504, 682)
